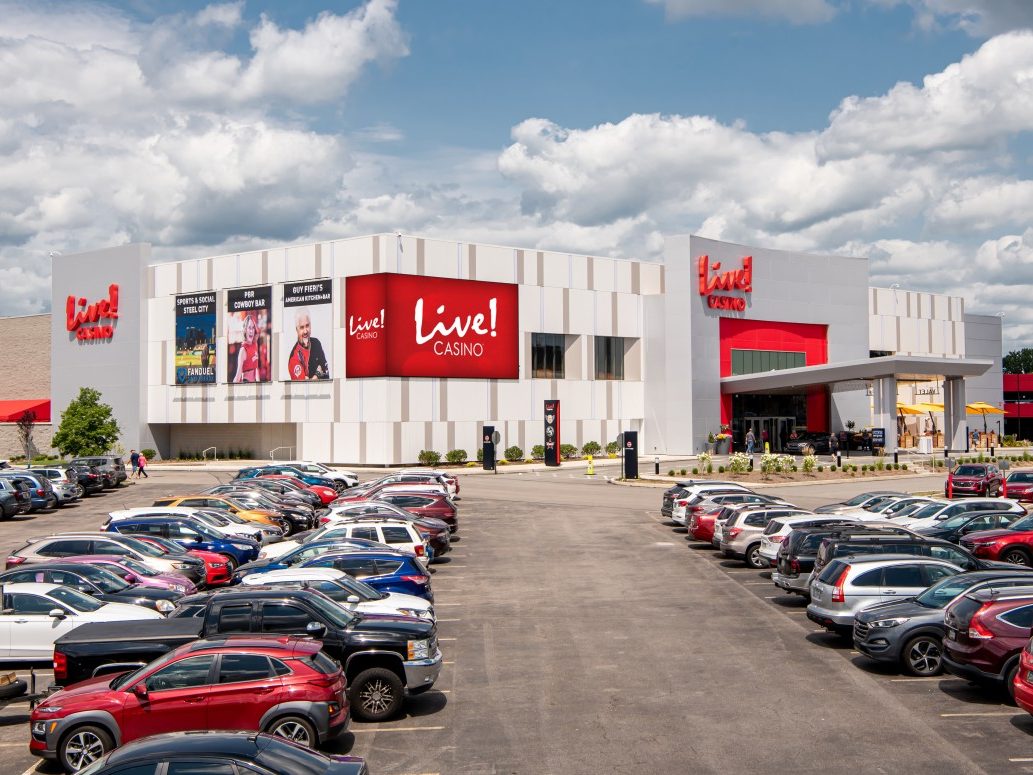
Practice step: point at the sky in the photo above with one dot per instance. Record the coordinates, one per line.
(899, 130)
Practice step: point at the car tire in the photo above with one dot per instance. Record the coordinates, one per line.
(297, 729)
(83, 745)
(753, 559)
(923, 656)
(231, 564)
(376, 694)
(1009, 681)
(1017, 555)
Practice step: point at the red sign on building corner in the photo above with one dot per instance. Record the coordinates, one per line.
(86, 320)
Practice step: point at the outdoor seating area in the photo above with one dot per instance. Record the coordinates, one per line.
(919, 426)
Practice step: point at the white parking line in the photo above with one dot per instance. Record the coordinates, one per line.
(444, 639)
(355, 731)
(930, 678)
(450, 620)
(32, 768)
(967, 715)
(1022, 759)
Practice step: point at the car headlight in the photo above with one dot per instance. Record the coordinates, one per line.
(409, 612)
(241, 547)
(165, 606)
(178, 588)
(419, 649)
(218, 565)
(181, 565)
(886, 623)
(47, 709)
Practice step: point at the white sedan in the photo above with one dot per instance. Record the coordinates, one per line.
(347, 591)
(35, 615)
(349, 478)
(229, 525)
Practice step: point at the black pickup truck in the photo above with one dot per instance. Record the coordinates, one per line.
(384, 657)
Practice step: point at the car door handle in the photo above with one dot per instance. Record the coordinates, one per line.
(263, 690)
(20, 621)
(194, 699)
(889, 591)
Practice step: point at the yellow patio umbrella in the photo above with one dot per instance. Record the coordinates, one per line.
(930, 407)
(980, 407)
(903, 409)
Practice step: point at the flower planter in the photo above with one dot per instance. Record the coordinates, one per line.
(722, 446)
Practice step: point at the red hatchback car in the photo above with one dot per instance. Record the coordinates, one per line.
(986, 631)
(282, 685)
(1007, 544)
(326, 494)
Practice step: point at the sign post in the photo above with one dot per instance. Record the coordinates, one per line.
(488, 447)
(620, 451)
(878, 438)
(630, 454)
(552, 432)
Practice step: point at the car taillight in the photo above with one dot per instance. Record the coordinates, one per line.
(732, 532)
(838, 595)
(60, 666)
(40, 492)
(794, 564)
(776, 539)
(419, 550)
(416, 579)
(976, 629)
(14, 560)
(682, 502)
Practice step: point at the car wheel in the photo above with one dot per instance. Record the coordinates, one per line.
(1017, 555)
(231, 564)
(923, 656)
(82, 746)
(753, 558)
(296, 729)
(376, 694)
(1009, 681)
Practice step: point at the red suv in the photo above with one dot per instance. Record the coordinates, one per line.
(983, 479)
(424, 505)
(987, 630)
(1020, 486)
(282, 685)
(1007, 544)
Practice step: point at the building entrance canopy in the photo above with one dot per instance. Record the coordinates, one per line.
(883, 372)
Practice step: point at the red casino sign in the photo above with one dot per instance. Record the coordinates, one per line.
(711, 279)
(401, 325)
(88, 321)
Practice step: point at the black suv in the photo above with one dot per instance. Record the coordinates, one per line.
(111, 467)
(89, 478)
(14, 497)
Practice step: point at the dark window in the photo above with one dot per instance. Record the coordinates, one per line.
(279, 668)
(948, 553)
(107, 547)
(182, 531)
(164, 501)
(200, 768)
(755, 361)
(196, 502)
(369, 533)
(872, 578)
(152, 528)
(137, 769)
(934, 573)
(322, 663)
(234, 618)
(236, 668)
(67, 548)
(31, 604)
(609, 357)
(192, 671)
(1020, 617)
(903, 576)
(547, 356)
(23, 577)
(283, 617)
(387, 567)
(357, 567)
(396, 535)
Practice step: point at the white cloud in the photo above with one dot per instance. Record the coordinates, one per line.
(980, 18)
(796, 11)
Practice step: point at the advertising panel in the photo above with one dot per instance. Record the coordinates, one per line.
(413, 326)
(306, 344)
(552, 433)
(249, 328)
(195, 339)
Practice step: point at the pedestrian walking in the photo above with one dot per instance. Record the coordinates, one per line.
(134, 460)
(751, 441)
(833, 446)
(142, 467)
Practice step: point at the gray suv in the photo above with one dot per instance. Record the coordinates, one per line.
(909, 632)
(111, 467)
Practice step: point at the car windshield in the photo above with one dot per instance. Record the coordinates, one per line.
(141, 546)
(211, 518)
(928, 510)
(895, 509)
(128, 678)
(337, 615)
(363, 590)
(857, 500)
(955, 522)
(970, 471)
(105, 579)
(1026, 523)
(1020, 477)
(938, 595)
(137, 567)
(874, 503)
(75, 599)
(170, 547)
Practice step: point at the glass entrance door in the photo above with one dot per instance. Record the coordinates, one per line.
(774, 430)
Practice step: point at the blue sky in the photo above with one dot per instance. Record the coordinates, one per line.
(893, 129)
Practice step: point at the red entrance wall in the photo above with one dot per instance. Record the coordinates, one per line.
(808, 338)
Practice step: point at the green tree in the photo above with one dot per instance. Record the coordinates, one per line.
(87, 426)
(1019, 361)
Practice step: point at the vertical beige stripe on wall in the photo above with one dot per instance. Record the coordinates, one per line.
(209, 268)
(493, 402)
(150, 282)
(566, 309)
(428, 436)
(873, 297)
(591, 273)
(609, 399)
(179, 277)
(636, 278)
(421, 256)
(663, 280)
(404, 417)
(520, 267)
(376, 256)
(522, 438)
(265, 265)
(450, 436)
(541, 268)
(580, 434)
(362, 442)
(613, 314)
(442, 399)
(319, 259)
(471, 261)
(205, 395)
(229, 407)
(896, 344)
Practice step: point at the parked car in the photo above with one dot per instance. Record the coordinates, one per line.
(937, 511)
(136, 572)
(189, 534)
(66, 486)
(222, 503)
(289, 491)
(700, 516)
(857, 502)
(849, 584)
(913, 545)
(384, 571)
(435, 531)
(776, 531)
(346, 591)
(88, 477)
(216, 567)
(308, 551)
(693, 502)
(35, 615)
(384, 656)
(223, 753)
(95, 581)
(1020, 485)
(41, 491)
(111, 467)
(450, 478)
(987, 629)
(955, 528)
(224, 523)
(14, 498)
(283, 686)
(265, 499)
(299, 516)
(294, 473)
(1013, 543)
(348, 478)
(398, 534)
(910, 632)
(808, 443)
(983, 479)
(428, 505)
(741, 536)
(678, 490)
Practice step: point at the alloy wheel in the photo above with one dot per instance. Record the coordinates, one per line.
(83, 749)
(924, 657)
(376, 697)
(293, 731)
(1016, 556)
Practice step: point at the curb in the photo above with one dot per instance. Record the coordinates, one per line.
(652, 482)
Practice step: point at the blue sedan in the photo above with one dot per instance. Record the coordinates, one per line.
(384, 571)
(306, 551)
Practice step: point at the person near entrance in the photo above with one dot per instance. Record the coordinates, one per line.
(764, 440)
(833, 446)
(751, 441)
(783, 437)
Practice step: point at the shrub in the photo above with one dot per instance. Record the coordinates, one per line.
(695, 472)
(768, 463)
(513, 453)
(612, 447)
(480, 454)
(671, 472)
(704, 459)
(880, 466)
(820, 469)
(720, 469)
(591, 448)
(568, 451)
(456, 456)
(710, 468)
(683, 472)
(739, 463)
(904, 466)
(538, 452)
(149, 453)
(429, 457)
(502, 462)
(809, 463)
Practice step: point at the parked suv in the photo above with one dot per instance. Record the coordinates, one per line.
(916, 546)
(741, 536)
(1013, 543)
(14, 497)
(90, 479)
(909, 632)
(190, 534)
(111, 467)
(41, 491)
(66, 486)
(280, 685)
(975, 479)
(848, 584)
(933, 513)
(671, 494)
(956, 528)
(987, 630)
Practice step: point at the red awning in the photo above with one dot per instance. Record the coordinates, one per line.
(11, 411)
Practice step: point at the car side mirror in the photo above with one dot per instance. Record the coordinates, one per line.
(315, 629)
(128, 577)
(353, 599)
(56, 613)
(140, 690)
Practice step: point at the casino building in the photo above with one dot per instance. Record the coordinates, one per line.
(368, 350)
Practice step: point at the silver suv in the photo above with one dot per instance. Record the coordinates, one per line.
(848, 584)
(741, 535)
(66, 488)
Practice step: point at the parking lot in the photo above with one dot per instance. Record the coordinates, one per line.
(582, 633)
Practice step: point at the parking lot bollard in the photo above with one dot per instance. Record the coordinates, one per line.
(656, 466)
(591, 467)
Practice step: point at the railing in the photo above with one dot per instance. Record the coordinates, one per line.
(213, 450)
(272, 453)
